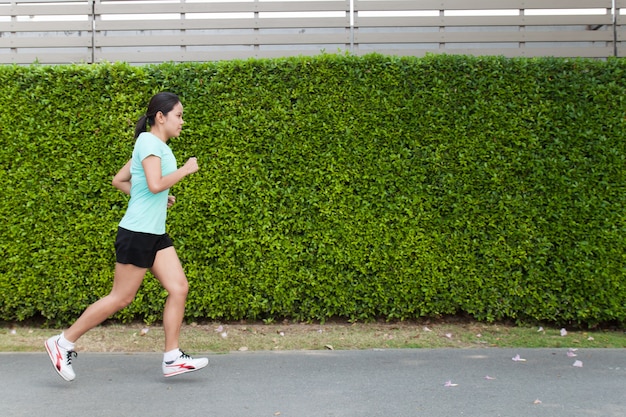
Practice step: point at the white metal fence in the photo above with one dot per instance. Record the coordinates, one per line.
(151, 31)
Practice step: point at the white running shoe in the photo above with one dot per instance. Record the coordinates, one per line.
(183, 364)
(61, 358)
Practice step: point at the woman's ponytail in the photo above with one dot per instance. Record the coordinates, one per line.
(141, 125)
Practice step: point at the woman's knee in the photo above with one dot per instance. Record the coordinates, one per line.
(121, 300)
(178, 287)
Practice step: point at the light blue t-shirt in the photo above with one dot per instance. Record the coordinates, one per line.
(147, 211)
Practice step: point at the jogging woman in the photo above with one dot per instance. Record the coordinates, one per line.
(142, 243)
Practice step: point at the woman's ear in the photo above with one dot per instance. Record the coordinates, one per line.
(159, 117)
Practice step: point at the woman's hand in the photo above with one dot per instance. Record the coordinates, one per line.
(191, 166)
(170, 201)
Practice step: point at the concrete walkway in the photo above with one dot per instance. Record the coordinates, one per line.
(385, 383)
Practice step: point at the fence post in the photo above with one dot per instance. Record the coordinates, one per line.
(615, 11)
(352, 26)
(92, 20)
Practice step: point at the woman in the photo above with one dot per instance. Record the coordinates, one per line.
(142, 242)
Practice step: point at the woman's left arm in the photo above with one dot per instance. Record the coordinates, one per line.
(157, 182)
(121, 180)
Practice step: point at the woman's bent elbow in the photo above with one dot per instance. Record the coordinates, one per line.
(154, 189)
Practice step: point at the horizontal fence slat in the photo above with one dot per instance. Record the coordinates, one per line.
(485, 37)
(300, 6)
(216, 40)
(45, 42)
(409, 5)
(44, 10)
(51, 2)
(61, 26)
(488, 21)
(53, 57)
(62, 2)
(223, 7)
(176, 24)
(156, 57)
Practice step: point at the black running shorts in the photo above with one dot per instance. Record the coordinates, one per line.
(139, 248)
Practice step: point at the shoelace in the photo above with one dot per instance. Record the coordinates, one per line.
(70, 353)
(184, 355)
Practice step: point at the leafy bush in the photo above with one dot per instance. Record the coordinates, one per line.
(334, 186)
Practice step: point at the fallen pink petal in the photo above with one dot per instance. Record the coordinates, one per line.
(563, 332)
(571, 354)
(489, 378)
(450, 384)
(517, 358)
(578, 364)
(537, 401)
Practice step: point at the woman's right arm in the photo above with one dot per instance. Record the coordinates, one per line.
(121, 180)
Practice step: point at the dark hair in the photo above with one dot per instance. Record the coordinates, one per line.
(162, 102)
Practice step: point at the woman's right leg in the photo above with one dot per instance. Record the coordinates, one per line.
(127, 280)
(126, 283)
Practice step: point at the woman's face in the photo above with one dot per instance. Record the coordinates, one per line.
(174, 121)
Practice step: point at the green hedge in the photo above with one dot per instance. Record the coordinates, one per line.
(333, 186)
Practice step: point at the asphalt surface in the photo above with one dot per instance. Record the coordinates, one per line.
(389, 383)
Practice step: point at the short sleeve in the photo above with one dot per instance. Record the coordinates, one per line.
(147, 145)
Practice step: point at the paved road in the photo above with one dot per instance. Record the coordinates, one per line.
(389, 383)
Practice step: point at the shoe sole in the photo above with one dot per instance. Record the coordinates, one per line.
(53, 360)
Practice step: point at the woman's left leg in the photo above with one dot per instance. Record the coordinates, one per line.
(168, 270)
